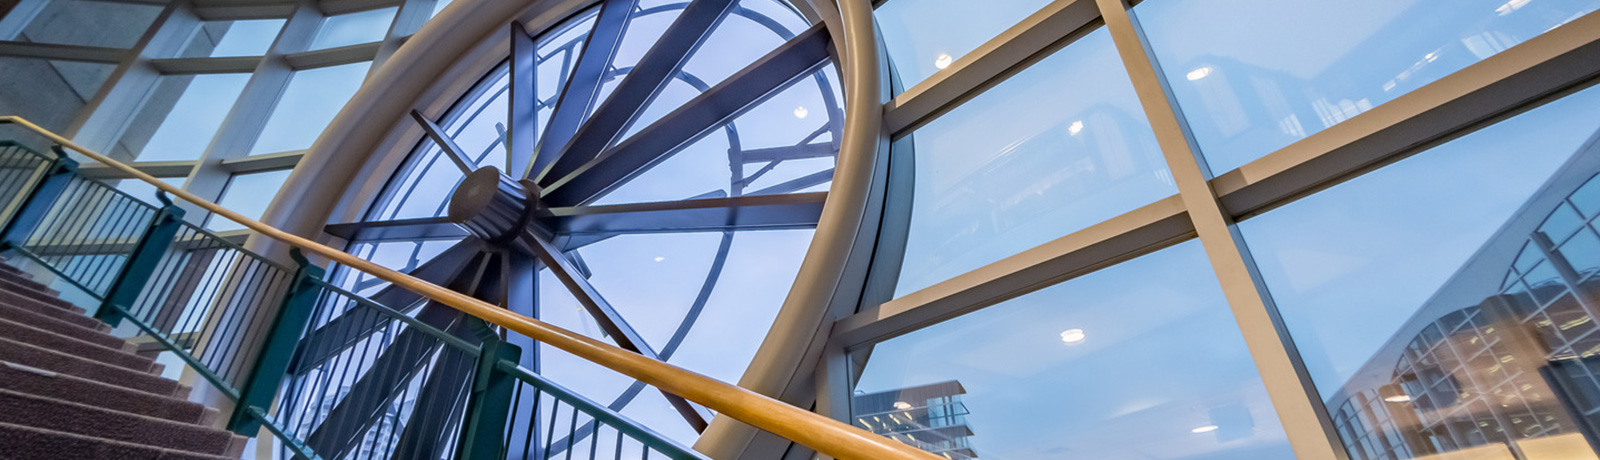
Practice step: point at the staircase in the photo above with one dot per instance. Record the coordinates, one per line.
(71, 390)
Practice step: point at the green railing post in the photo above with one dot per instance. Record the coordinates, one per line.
(272, 361)
(40, 199)
(484, 431)
(142, 262)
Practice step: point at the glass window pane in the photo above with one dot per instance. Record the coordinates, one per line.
(1371, 268)
(311, 100)
(233, 38)
(180, 116)
(1059, 147)
(1256, 75)
(924, 36)
(248, 195)
(354, 28)
(1140, 360)
(85, 22)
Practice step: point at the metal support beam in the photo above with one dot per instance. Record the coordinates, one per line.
(55, 52)
(761, 212)
(1044, 31)
(582, 90)
(333, 56)
(1310, 430)
(419, 229)
(209, 65)
(445, 143)
(648, 77)
(1541, 69)
(722, 103)
(607, 317)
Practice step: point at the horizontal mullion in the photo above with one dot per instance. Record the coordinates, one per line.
(1048, 29)
(1539, 70)
(58, 52)
(208, 65)
(214, 10)
(262, 163)
(333, 56)
(1138, 232)
(338, 7)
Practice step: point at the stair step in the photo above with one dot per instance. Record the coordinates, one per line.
(54, 414)
(52, 324)
(47, 295)
(21, 442)
(52, 341)
(20, 301)
(40, 382)
(41, 358)
(21, 277)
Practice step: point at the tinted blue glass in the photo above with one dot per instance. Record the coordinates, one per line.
(1058, 147)
(924, 36)
(233, 38)
(248, 195)
(354, 28)
(1256, 75)
(1374, 277)
(1140, 360)
(194, 107)
(311, 100)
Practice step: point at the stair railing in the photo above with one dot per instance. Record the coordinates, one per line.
(307, 379)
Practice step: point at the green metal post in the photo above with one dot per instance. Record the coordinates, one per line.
(41, 197)
(141, 264)
(483, 434)
(272, 362)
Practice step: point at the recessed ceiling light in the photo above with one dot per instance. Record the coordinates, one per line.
(1075, 128)
(1199, 73)
(1204, 429)
(1072, 336)
(658, 259)
(1398, 398)
(801, 112)
(902, 405)
(943, 60)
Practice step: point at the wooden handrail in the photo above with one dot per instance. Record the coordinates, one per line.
(826, 436)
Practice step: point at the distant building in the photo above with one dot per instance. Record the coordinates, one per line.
(1503, 362)
(930, 417)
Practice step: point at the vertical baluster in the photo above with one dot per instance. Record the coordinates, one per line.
(141, 264)
(272, 361)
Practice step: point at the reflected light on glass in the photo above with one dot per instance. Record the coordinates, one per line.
(1072, 336)
(1398, 398)
(801, 112)
(902, 405)
(658, 259)
(1204, 429)
(1075, 128)
(1199, 73)
(943, 60)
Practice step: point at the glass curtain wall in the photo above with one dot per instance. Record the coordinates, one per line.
(1120, 221)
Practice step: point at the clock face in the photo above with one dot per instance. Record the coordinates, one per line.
(648, 173)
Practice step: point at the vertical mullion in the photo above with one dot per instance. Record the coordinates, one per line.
(1310, 431)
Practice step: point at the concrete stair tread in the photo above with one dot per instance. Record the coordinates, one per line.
(17, 301)
(23, 316)
(37, 292)
(50, 360)
(24, 442)
(70, 345)
(70, 417)
(27, 379)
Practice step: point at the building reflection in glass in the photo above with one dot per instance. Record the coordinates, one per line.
(1511, 377)
(930, 417)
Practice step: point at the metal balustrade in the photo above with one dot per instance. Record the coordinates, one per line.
(300, 357)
